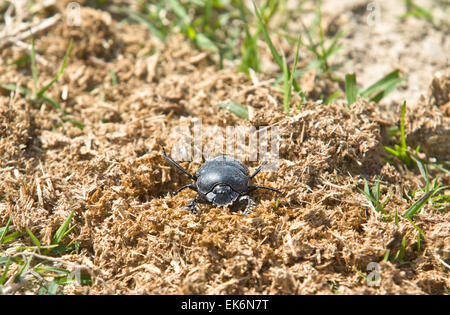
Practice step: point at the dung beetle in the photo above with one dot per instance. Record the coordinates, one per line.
(221, 181)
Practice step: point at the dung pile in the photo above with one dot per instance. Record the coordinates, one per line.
(134, 237)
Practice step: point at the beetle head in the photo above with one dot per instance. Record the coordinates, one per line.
(222, 195)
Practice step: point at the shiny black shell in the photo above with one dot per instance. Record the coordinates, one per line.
(223, 170)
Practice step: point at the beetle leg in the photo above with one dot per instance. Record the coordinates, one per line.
(250, 204)
(253, 187)
(191, 205)
(191, 186)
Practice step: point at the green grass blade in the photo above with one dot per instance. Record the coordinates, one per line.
(269, 42)
(360, 273)
(420, 13)
(5, 271)
(207, 14)
(396, 217)
(204, 42)
(419, 204)
(334, 46)
(386, 200)
(21, 61)
(113, 76)
(250, 57)
(376, 190)
(190, 31)
(332, 97)
(76, 123)
(138, 18)
(51, 101)
(380, 95)
(286, 89)
(417, 11)
(316, 53)
(55, 271)
(5, 229)
(273, 50)
(13, 88)
(402, 126)
(373, 203)
(401, 151)
(68, 230)
(250, 52)
(25, 266)
(52, 288)
(11, 237)
(235, 108)
(34, 67)
(420, 236)
(350, 88)
(4, 259)
(366, 188)
(34, 239)
(441, 201)
(379, 84)
(401, 252)
(392, 151)
(415, 208)
(424, 172)
(179, 11)
(24, 91)
(63, 229)
(383, 86)
(31, 247)
(373, 196)
(323, 56)
(287, 103)
(60, 72)
(402, 249)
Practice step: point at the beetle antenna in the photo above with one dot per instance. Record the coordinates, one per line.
(258, 169)
(175, 163)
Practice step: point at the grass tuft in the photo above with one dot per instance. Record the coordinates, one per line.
(375, 92)
(288, 75)
(319, 49)
(63, 230)
(39, 267)
(289, 79)
(373, 197)
(401, 151)
(37, 95)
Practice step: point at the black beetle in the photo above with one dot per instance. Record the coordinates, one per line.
(221, 181)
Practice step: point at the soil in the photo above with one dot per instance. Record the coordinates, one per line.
(134, 237)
